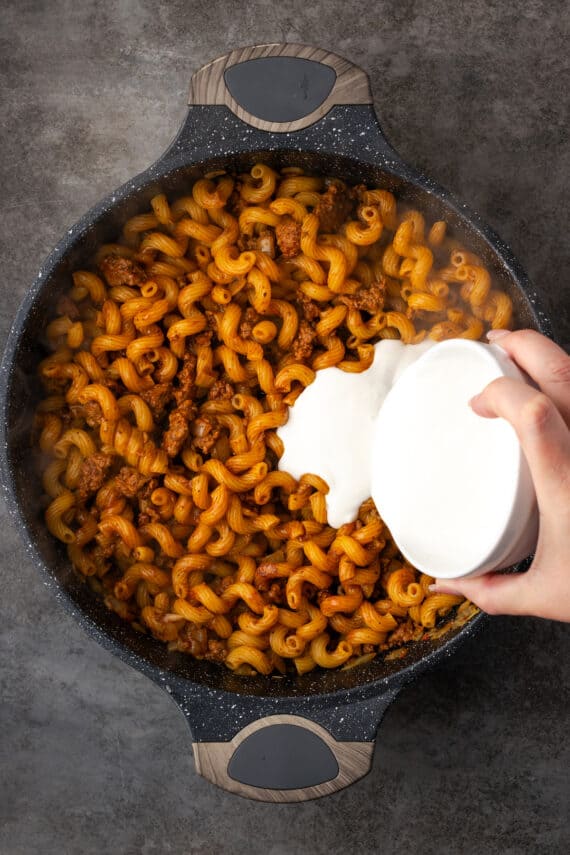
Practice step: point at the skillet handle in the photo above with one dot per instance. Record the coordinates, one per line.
(282, 749)
(280, 87)
(283, 758)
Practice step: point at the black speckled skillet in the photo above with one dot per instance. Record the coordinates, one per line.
(274, 739)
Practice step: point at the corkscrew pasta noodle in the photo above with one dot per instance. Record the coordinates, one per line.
(173, 360)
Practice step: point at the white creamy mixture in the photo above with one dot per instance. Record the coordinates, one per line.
(331, 426)
(444, 479)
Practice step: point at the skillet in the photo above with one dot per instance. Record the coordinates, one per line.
(282, 738)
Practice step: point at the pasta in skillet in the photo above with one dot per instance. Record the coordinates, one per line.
(172, 363)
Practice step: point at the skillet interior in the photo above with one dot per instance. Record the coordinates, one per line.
(23, 390)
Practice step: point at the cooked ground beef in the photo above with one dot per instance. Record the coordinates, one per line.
(92, 474)
(264, 571)
(122, 271)
(369, 299)
(302, 346)
(309, 308)
(222, 390)
(266, 583)
(212, 319)
(186, 379)
(147, 511)
(129, 481)
(157, 397)
(205, 433)
(178, 428)
(288, 234)
(406, 631)
(248, 320)
(92, 413)
(334, 207)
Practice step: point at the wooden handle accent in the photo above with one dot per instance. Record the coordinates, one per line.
(213, 758)
(208, 86)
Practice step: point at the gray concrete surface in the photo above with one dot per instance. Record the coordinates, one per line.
(94, 758)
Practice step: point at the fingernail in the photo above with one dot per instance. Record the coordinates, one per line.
(438, 588)
(474, 400)
(495, 335)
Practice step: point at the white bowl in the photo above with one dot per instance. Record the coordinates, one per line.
(454, 488)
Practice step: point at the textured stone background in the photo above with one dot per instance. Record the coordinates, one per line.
(93, 757)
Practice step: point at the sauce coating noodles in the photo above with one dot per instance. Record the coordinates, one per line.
(174, 360)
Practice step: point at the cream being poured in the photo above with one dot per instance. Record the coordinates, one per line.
(453, 488)
(331, 426)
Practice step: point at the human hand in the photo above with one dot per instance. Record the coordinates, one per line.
(541, 419)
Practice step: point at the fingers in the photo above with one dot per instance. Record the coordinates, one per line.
(543, 360)
(495, 593)
(542, 433)
(541, 420)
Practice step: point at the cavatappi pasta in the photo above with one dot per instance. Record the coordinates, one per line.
(173, 361)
